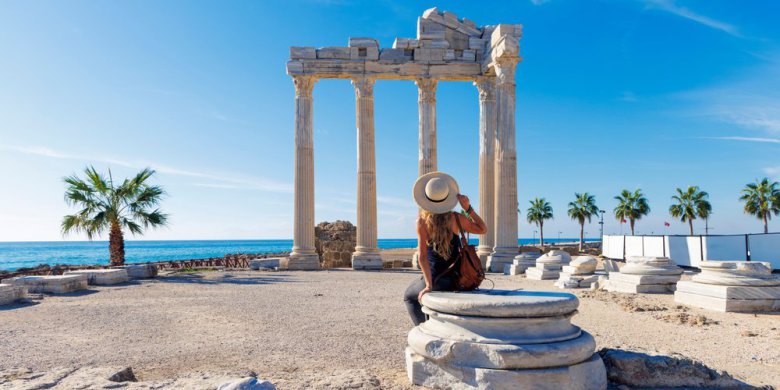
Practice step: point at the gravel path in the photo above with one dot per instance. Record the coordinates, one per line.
(327, 329)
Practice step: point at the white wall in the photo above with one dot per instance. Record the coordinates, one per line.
(655, 246)
(614, 248)
(677, 250)
(634, 246)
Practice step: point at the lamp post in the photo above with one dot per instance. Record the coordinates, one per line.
(559, 236)
(601, 224)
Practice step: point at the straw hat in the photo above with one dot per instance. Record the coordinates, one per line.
(436, 192)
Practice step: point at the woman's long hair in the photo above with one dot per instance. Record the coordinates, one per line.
(439, 232)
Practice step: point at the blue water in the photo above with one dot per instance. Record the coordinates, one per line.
(15, 255)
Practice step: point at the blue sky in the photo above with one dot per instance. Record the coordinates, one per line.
(611, 95)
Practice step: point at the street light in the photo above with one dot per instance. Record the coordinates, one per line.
(559, 236)
(601, 223)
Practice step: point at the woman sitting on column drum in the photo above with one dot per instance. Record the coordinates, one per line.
(437, 194)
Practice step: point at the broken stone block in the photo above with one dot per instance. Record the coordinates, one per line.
(270, 263)
(10, 293)
(302, 52)
(427, 29)
(363, 42)
(450, 20)
(364, 53)
(395, 55)
(52, 284)
(294, 67)
(140, 271)
(102, 277)
(334, 52)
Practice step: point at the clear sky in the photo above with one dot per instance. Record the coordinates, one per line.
(610, 95)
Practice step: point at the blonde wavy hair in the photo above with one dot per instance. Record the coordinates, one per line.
(439, 232)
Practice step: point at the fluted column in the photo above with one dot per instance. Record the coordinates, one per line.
(366, 254)
(426, 100)
(303, 255)
(487, 142)
(505, 247)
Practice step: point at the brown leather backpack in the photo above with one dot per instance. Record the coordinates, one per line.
(468, 270)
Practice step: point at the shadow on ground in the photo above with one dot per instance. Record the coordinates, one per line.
(200, 278)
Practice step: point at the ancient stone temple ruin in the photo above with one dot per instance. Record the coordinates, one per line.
(446, 49)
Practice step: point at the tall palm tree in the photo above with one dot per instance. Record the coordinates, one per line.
(691, 203)
(584, 207)
(762, 199)
(539, 211)
(131, 205)
(631, 206)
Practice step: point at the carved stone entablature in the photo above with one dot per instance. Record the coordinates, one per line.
(446, 48)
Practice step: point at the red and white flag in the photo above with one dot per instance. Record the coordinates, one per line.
(667, 224)
(623, 220)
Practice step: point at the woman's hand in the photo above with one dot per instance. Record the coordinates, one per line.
(464, 201)
(423, 292)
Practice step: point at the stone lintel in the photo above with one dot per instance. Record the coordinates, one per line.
(347, 69)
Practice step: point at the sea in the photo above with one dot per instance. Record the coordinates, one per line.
(14, 255)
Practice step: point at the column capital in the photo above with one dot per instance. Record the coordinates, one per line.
(304, 85)
(364, 87)
(426, 89)
(486, 85)
(505, 70)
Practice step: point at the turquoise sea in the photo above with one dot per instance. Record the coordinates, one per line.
(15, 255)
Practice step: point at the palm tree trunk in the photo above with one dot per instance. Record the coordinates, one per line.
(766, 225)
(582, 235)
(632, 225)
(690, 224)
(541, 236)
(116, 245)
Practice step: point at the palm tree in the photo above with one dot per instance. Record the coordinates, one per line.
(691, 204)
(106, 206)
(584, 207)
(539, 211)
(762, 199)
(631, 206)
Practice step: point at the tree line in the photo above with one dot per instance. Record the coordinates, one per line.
(762, 200)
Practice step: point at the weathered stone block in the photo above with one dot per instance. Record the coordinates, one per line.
(469, 55)
(434, 43)
(395, 55)
(102, 277)
(140, 271)
(53, 284)
(334, 52)
(269, 263)
(632, 288)
(429, 55)
(727, 305)
(730, 292)
(644, 279)
(302, 52)
(541, 274)
(364, 53)
(10, 293)
(363, 42)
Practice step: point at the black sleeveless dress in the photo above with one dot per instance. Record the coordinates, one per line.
(440, 264)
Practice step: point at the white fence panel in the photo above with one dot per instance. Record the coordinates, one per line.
(725, 248)
(695, 254)
(677, 250)
(765, 247)
(634, 246)
(654, 246)
(614, 250)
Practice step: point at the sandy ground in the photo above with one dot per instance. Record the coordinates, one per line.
(327, 329)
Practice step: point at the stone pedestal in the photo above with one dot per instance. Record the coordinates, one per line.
(580, 273)
(522, 262)
(653, 275)
(732, 286)
(502, 340)
(10, 293)
(102, 277)
(548, 266)
(55, 284)
(140, 271)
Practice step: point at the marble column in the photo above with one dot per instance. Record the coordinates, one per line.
(366, 254)
(505, 247)
(426, 100)
(487, 142)
(426, 103)
(303, 255)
